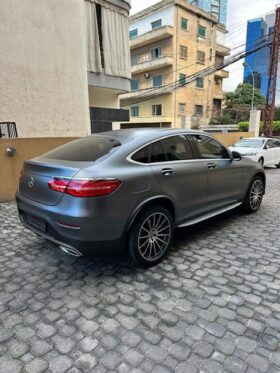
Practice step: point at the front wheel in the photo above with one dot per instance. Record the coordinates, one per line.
(278, 165)
(254, 195)
(150, 236)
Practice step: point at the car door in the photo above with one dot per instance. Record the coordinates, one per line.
(181, 177)
(269, 153)
(277, 152)
(223, 173)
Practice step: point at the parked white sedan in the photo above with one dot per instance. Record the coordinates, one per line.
(261, 149)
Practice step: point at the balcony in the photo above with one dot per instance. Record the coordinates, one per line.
(151, 37)
(221, 74)
(219, 95)
(144, 93)
(150, 65)
(221, 50)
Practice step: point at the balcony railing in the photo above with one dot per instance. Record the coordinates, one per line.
(151, 37)
(222, 74)
(152, 64)
(221, 50)
(144, 93)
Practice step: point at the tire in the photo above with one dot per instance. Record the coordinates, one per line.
(254, 195)
(146, 247)
(261, 161)
(278, 165)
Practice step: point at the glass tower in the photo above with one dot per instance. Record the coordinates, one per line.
(216, 7)
(257, 30)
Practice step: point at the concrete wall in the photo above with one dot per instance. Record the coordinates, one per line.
(231, 138)
(144, 24)
(43, 70)
(11, 166)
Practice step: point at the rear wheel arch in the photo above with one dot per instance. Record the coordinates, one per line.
(157, 201)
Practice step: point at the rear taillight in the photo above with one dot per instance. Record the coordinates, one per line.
(84, 187)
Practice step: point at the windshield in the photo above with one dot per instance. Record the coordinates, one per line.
(251, 143)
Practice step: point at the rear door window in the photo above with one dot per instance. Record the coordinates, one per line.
(176, 148)
(88, 149)
(142, 156)
(208, 148)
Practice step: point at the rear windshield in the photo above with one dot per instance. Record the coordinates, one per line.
(89, 149)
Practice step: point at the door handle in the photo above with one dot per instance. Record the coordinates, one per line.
(211, 166)
(167, 171)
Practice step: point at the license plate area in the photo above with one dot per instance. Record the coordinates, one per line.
(35, 222)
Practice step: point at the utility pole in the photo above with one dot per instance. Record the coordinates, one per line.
(269, 110)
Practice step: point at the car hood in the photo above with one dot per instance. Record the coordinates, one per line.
(243, 150)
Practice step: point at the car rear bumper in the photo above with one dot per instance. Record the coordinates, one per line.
(76, 235)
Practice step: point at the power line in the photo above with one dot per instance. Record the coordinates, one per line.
(200, 74)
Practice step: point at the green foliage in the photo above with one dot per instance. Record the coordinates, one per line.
(277, 113)
(244, 127)
(242, 97)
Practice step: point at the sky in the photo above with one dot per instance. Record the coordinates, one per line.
(239, 11)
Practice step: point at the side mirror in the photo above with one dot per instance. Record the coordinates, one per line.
(266, 147)
(236, 156)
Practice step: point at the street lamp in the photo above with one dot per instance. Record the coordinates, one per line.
(245, 64)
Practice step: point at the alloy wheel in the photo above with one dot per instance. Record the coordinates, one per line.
(154, 236)
(256, 194)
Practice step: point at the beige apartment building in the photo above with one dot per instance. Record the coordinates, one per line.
(170, 42)
(63, 64)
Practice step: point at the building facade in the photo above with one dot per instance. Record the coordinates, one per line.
(62, 65)
(169, 42)
(258, 30)
(217, 7)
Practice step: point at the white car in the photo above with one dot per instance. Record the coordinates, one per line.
(260, 149)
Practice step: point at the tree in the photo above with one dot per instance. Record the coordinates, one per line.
(238, 103)
(242, 97)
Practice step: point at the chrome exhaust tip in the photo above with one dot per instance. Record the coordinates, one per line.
(71, 251)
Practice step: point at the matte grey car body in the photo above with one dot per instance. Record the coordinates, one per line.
(192, 186)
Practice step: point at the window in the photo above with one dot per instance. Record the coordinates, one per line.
(134, 85)
(184, 23)
(156, 53)
(202, 31)
(201, 57)
(183, 52)
(134, 110)
(88, 149)
(156, 24)
(156, 109)
(199, 83)
(209, 148)
(142, 156)
(182, 79)
(198, 110)
(133, 33)
(176, 148)
(157, 153)
(157, 81)
(134, 59)
(276, 143)
(269, 144)
(182, 108)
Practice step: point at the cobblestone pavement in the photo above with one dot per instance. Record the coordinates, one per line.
(211, 306)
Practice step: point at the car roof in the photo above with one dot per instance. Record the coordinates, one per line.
(133, 133)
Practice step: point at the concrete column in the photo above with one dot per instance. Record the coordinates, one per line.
(254, 124)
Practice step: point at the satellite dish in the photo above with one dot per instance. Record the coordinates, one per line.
(147, 75)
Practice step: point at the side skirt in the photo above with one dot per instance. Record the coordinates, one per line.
(210, 215)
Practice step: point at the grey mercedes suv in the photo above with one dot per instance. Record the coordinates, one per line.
(131, 189)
